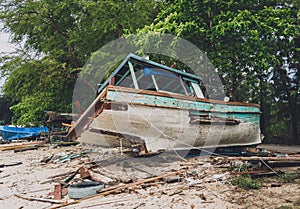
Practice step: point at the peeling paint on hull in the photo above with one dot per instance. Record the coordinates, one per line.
(164, 123)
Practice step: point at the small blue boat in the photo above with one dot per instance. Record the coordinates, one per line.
(161, 108)
(12, 133)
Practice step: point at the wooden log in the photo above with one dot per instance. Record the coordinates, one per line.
(264, 158)
(41, 199)
(20, 146)
(107, 191)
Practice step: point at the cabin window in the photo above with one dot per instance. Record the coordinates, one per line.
(123, 77)
(155, 79)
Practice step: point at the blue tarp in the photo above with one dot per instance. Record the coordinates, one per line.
(11, 133)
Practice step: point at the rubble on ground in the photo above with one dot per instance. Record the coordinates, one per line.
(41, 178)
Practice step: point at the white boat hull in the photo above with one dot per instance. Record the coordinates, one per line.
(165, 129)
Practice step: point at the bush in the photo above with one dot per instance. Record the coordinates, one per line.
(246, 182)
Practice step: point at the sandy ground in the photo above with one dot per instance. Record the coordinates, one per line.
(204, 184)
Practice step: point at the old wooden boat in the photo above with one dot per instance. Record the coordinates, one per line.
(146, 103)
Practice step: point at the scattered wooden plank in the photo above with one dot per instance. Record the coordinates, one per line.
(264, 158)
(107, 191)
(61, 175)
(26, 149)
(101, 178)
(287, 163)
(11, 164)
(85, 173)
(20, 145)
(41, 199)
(57, 192)
(12, 147)
(251, 172)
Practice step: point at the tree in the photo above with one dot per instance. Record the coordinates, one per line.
(253, 44)
(58, 37)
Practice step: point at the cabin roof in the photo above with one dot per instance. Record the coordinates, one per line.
(140, 60)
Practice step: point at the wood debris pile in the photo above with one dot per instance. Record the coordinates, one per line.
(165, 175)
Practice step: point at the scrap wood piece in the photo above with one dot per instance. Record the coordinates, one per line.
(251, 172)
(21, 146)
(85, 173)
(116, 188)
(107, 191)
(41, 199)
(176, 192)
(47, 159)
(11, 164)
(61, 175)
(286, 163)
(264, 158)
(70, 177)
(57, 192)
(26, 149)
(63, 178)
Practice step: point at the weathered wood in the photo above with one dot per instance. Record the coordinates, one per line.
(101, 178)
(85, 173)
(117, 188)
(26, 149)
(252, 172)
(20, 146)
(11, 164)
(61, 175)
(264, 158)
(177, 96)
(83, 121)
(57, 192)
(41, 199)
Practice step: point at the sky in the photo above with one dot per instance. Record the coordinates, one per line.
(5, 47)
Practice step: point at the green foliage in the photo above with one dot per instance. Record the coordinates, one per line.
(255, 47)
(58, 37)
(288, 177)
(71, 30)
(246, 182)
(36, 86)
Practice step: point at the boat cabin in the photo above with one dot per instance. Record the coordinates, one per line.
(139, 73)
